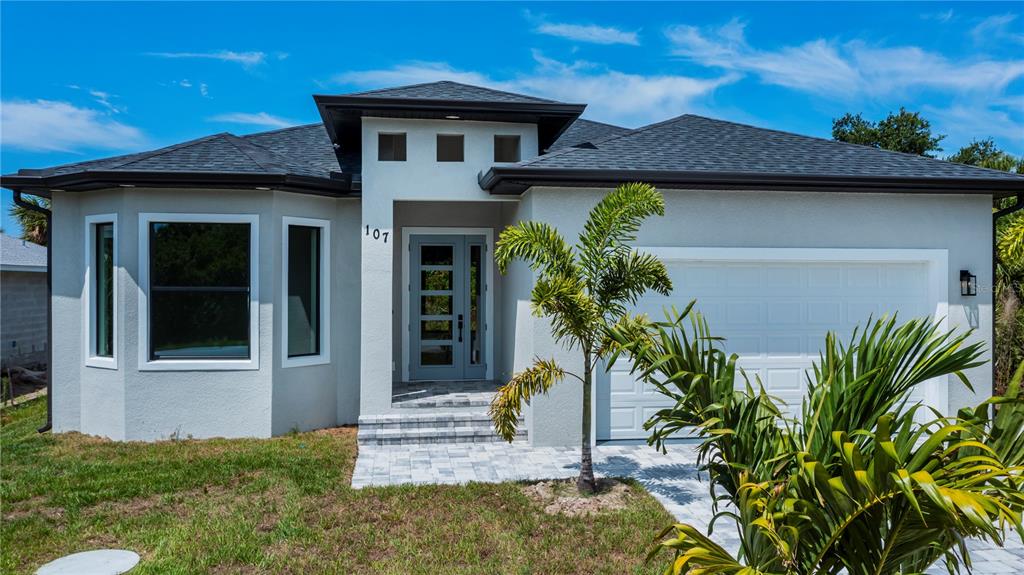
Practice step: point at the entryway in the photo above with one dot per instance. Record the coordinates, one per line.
(447, 306)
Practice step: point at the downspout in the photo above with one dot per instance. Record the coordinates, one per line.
(49, 305)
(1017, 206)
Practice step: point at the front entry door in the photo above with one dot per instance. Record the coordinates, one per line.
(446, 305)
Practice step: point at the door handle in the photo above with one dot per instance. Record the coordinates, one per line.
(460, 328)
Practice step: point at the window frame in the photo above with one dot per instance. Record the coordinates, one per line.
(324, 324)
(405, 155)
(519, 148)
(89, 294)
(146, 363)
(437, 147)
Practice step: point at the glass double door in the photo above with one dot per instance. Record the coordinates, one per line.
(446, 304)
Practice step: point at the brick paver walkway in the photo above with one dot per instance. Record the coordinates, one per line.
(671, 478)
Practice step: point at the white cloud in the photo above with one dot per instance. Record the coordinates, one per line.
(257, 119)
(46, 125)
(1000, 27)
(204, 90)
(186, 83)
(588, 33)
(944, 17)
(246, 59)
(846, 70)
(969, 122)
(610, 95)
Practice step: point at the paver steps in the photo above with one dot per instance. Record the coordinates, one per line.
(417, 428)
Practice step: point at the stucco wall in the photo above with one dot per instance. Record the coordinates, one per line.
(22, 318)
(420, 178)
(127, 403)
(957, 223)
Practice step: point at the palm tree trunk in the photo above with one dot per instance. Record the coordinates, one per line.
(586, 483)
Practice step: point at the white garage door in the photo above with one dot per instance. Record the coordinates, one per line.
(774, 315)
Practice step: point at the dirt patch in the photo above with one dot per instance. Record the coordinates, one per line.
(560, 496)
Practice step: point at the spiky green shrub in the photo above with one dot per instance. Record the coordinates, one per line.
(852, 482)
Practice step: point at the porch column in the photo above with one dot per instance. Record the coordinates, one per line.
(375, 353)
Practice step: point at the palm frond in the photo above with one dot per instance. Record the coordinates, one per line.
(539, 244)
(628, 276)
(614, 222)
(507, 404)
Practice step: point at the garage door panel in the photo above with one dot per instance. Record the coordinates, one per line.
(774, 315)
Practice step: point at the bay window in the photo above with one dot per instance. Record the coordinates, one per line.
(201, 276)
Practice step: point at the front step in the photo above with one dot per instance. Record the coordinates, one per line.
(414, 428)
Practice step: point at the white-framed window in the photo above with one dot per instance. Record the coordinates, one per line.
(100, 299)
(198, 291)
(306, 292)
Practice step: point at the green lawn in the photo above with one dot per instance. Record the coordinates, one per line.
(282, 505)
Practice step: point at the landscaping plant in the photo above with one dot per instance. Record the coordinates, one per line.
(860, 480)
(583, 290)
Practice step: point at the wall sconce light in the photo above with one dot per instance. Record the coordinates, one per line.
(968, 283)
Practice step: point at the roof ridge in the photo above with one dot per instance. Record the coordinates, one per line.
(628, 132)
(421, 84)
(248, 149)
(165, 150)
(839, 143)
(279, 130)
(605, 124)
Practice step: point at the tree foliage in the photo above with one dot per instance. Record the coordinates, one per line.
(582, 290)
(903, 131)
(33, 224)
(1008, 351)
(854, 481)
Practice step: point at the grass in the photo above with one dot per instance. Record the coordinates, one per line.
(282, 505)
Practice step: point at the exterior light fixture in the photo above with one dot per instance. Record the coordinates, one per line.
(968, 283)
(451, 117)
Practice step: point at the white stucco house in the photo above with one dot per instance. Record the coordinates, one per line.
(342, 272)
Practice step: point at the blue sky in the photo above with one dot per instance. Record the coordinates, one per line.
(88, 80)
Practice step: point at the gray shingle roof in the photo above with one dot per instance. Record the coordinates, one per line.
(301, 150)
(583, 131)
(691, 143)
(448, 90)
(21, 255)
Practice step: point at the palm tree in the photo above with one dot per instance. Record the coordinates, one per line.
(33, 224)
(582, 290)
(854, 481)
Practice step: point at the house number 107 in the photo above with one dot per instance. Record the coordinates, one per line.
(377, 234)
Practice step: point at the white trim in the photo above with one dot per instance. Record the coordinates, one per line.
(488, 275)
(88, 305)
(936, 391)
(324, 321)
(146, 364)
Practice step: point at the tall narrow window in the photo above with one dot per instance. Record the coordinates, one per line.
(306, 292)
(506, 149)
(99, 302)
(104, 289)
(450, 148)
(199, 290)
(303, 291)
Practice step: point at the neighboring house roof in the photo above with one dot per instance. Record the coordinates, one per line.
(687, 151)
(17, 255)
(698, 151)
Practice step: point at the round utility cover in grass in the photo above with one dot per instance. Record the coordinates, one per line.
(98, 562)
